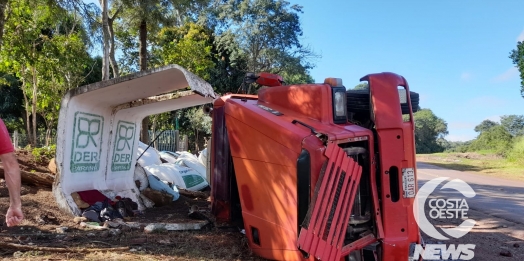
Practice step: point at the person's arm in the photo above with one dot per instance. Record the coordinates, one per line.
(12, 177)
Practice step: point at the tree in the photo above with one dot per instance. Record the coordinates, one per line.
(230, 66)
(428, 130)
(26, 35)
(140, 21)
(45, 47)
(496, 139)
(137, 14)
(361, 86)
(485, 125)
(266, 34)
(147, 17)
(297, 78)
(199, 122)
(4, 15)
(189, 46)
(11, 103)
(514, 124)
(517, 56)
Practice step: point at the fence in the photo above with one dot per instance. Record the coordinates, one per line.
(22, 140)
(169, 140)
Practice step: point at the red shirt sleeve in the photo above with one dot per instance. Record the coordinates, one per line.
(5, 141)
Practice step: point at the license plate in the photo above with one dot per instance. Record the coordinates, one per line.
(408, 182)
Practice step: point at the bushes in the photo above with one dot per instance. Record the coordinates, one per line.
(516, 154)
(44, 152)
(496, 139)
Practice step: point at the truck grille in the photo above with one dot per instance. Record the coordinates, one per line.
(324, 227)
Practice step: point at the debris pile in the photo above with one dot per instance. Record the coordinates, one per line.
(177, 169)
(160, 177)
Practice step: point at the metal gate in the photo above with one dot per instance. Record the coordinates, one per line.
(169, 140)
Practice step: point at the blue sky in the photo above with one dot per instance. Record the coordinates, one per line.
(454, 53)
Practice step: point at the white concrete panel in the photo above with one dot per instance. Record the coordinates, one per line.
(99, 128)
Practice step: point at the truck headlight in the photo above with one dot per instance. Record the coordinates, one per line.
(339, 105)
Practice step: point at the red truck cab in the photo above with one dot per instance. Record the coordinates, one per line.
(308, 178)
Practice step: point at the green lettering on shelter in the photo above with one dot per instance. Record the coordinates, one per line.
(123, 148)
(87, 141)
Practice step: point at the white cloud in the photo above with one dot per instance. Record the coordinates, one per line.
(507, 75)
(465, 76)
(520, 38)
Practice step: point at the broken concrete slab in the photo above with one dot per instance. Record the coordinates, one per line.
(159, 227)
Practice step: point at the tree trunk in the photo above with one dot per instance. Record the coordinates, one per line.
(33, 105)
(196, 141)
(143, 45)
(144, 134)
(48, 135)
(27, 115)
(3, 18)
(105, 45)
(144, 137)
(114, 65)
(26, 107)
(39, 179)
(153, 130)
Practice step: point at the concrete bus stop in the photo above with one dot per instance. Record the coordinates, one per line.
(99, 126)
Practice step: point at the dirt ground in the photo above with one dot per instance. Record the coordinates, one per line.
(42, 218)
(37, 237)
(493, 237)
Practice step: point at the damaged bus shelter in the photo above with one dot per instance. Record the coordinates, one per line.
(99, 126)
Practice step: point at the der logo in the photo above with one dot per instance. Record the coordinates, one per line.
(87, 138)
(123, 150)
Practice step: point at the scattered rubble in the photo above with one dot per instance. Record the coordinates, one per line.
(61, 230)
(159, 198)
(161, 227)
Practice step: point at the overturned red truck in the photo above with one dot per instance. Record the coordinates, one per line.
(310, 171)
(313, 171)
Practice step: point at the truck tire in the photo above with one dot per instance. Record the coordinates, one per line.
(358, 102)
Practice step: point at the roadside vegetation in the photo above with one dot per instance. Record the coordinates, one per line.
(485, 163)
(498, 149)
(50, 47)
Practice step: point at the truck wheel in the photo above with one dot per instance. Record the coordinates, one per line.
(358, 102)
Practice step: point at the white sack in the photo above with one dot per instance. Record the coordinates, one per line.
(141, 176)
(193, 163)
(150, 157)
(170, 158)
(203, 157)
(181, 176)
(186, 155)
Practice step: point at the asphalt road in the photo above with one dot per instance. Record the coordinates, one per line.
(494, 196)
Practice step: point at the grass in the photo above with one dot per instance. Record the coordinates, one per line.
(484, 163)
